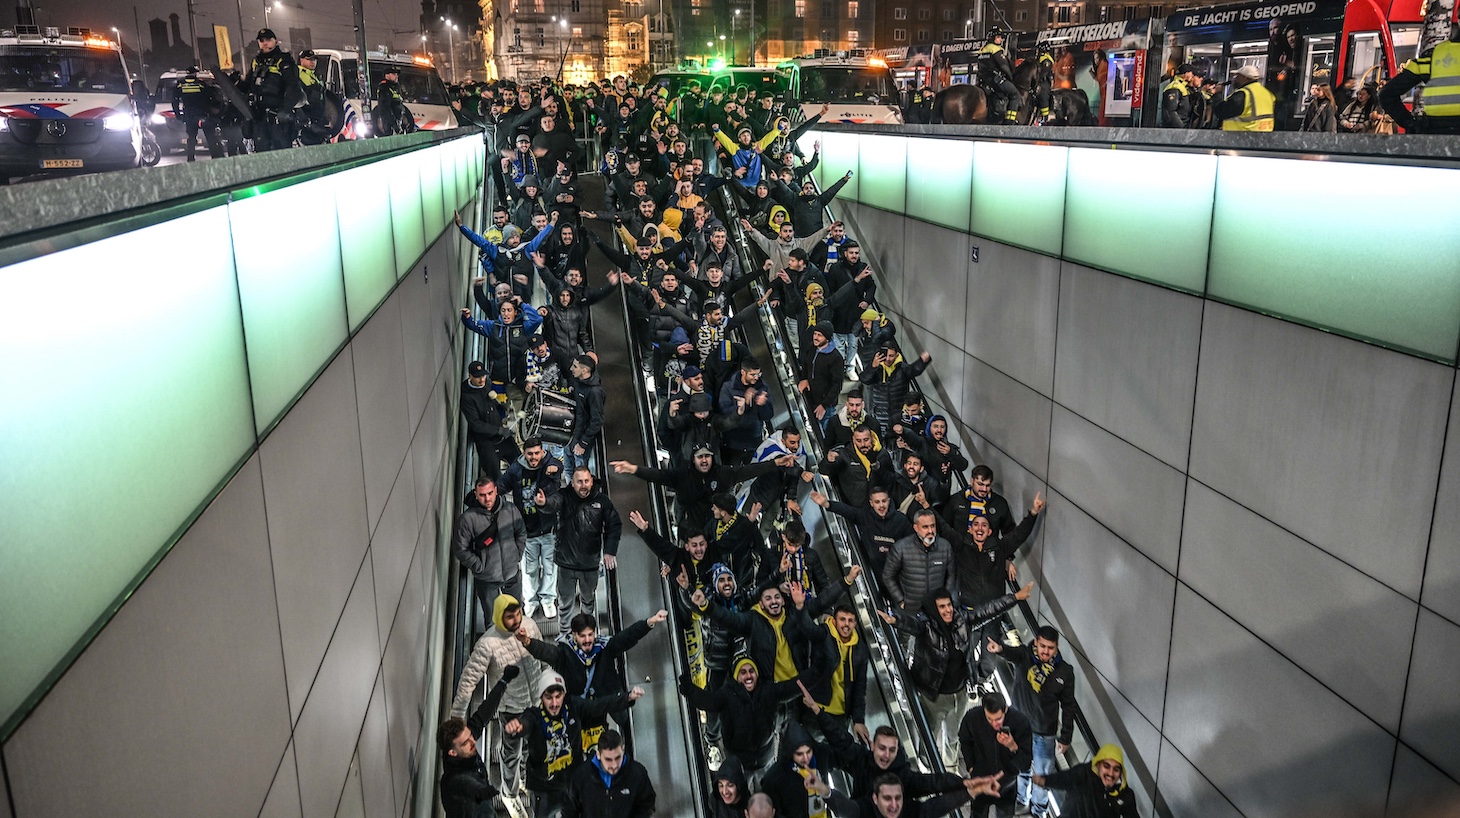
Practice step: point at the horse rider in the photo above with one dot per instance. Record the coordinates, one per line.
(996, 75)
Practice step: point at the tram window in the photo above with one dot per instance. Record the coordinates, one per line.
(1208, 58)
(1251, 53)
(1318, 56)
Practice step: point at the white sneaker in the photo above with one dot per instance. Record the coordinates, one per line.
(529, 609)
(550, 609)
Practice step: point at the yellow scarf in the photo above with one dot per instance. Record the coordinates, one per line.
(813, 301)
(722, 526)
(785, 668)
(842, 677)
(888, 366)
(815, 804)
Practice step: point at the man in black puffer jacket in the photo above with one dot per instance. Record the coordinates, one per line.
(588, 401)
(483, 415)
(610, 785)
(822, 371)
(865, 764)
(465, 790)
(589, 528)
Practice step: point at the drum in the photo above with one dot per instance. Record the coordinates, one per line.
(549, 416)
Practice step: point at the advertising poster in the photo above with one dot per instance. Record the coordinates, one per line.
(1107, 62)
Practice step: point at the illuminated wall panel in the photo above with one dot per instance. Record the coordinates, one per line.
(1337, 262)
(939, 172)
(839, 155)
(125, 404)
(291, 288)
(882, 170)
(1141, 213)
(1019, 194)
(406, 224)
(433, 206)
(362, 200)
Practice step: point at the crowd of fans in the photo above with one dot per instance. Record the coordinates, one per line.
(777, 661)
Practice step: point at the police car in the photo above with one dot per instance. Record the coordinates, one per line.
(65, 104)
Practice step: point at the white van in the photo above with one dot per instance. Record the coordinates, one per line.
(859, 89)
(65, 104)
(425, 94)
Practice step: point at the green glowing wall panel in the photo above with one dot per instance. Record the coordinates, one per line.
(882, 169)
(293, 302)
(117, 421)
(1310, 241)
(406, 223)
(1144, 214)
(433, 205)
(839, 155)
(362, 200)
(461, 158)
(1019, 194)
(939, 172)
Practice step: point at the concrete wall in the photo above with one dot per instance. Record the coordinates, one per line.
(281, 659)
(1251, 541)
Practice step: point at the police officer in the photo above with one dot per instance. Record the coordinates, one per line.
(1439, 70)
(391, 114)
(195, 104)
(272, 78)
(1176, 97)
(1250, 105)
(920, 107)
(996, 75)
(311, 113)
(1043, 82)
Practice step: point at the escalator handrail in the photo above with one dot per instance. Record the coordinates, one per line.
(866, 589)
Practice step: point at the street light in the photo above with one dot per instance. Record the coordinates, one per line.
(733, 22)
(451, 45)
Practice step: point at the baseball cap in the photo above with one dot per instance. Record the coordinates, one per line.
(1248, 71)
(308, 54)
(703, 449)
(266, 34)
(690, 372)
(476, 369)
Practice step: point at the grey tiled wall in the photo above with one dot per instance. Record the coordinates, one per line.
(1251, 542)
(276, 661)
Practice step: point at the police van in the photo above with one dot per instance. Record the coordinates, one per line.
(859, 88)
(65, 104)
(420, 85)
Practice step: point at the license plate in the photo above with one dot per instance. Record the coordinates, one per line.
(51, 164)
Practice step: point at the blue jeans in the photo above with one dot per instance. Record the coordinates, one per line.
(539, 570)
(846, 344)
(572, 461)
(1038, 797)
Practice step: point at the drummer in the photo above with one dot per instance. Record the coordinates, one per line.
(546, 371)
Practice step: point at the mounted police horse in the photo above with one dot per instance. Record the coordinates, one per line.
(969, 104)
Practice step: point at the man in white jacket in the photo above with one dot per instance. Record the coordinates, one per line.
(497, 649)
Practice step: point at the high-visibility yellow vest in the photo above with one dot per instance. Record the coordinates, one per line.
(1256, 113)
(1441, 72)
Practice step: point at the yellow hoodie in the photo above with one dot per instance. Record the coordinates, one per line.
(1110, 752)
(499, 608)
(785, 668)
(841, 678)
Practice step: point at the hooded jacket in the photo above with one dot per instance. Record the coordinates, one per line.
(828, 653)
(1086, 795)
(941, 465)
(940, 649)
(551, 759)
(746, 435)
(785, 784)
(507, 343)
(593, 793)
(824, 370)
(466, 791)
(779, 252)
(747, 717)
(807, 211)
(870, 340)
(588, 400)
(566, 328)
(762, 642)
(839, 427)
(809, 305)
(498, 648)
(521, 483)
(858, 762)
(731, 771)
(846, 315)
(747, 156)
(588, 528)
(490, 543)
(914, 571)
(721, 645)
(887, 386)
